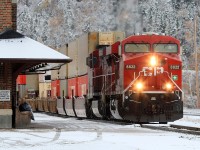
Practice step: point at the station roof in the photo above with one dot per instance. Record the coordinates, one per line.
(17, 48)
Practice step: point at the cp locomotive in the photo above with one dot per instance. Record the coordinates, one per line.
(138, 79)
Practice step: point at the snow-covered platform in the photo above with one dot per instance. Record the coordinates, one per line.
(51, 132)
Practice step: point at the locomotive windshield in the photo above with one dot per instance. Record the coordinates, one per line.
(165, 48)
(137, 48)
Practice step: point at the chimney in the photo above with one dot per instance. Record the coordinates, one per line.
(8, 11)
(14, 15)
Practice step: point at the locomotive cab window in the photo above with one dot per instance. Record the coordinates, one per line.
(165, 48)
(137, 48)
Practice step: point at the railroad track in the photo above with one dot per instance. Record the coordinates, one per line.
(170, 127)
(191, 114)
(175, 128)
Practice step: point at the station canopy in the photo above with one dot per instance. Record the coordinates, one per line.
(17, 48)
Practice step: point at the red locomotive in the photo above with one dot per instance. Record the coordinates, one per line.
(138, 79)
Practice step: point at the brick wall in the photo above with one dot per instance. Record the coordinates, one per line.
(8, 11)
(6, 83)
(7, 15)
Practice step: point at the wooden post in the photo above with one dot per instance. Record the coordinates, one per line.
(196, 62)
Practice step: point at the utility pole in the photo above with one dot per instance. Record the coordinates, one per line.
(196, 61)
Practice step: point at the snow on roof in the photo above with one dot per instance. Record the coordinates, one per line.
(22, 48)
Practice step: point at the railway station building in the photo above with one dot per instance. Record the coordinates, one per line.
(19, 55)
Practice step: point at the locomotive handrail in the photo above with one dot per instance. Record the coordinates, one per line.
(110, 86)
(103, 75)
(103, 87)
(139, 76)
(173, 81)
(129, 87)
(175, 84)
(132, 83)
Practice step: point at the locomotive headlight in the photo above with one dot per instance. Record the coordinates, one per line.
(153, 61)
(139, 86)
(168, 86)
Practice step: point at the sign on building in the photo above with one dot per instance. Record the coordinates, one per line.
(4, 95)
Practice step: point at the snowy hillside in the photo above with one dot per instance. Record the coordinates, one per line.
(57, 22)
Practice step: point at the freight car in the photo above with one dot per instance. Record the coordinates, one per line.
(137, 79)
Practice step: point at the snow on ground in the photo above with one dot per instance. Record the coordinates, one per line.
(51, 132)
(187, 120)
